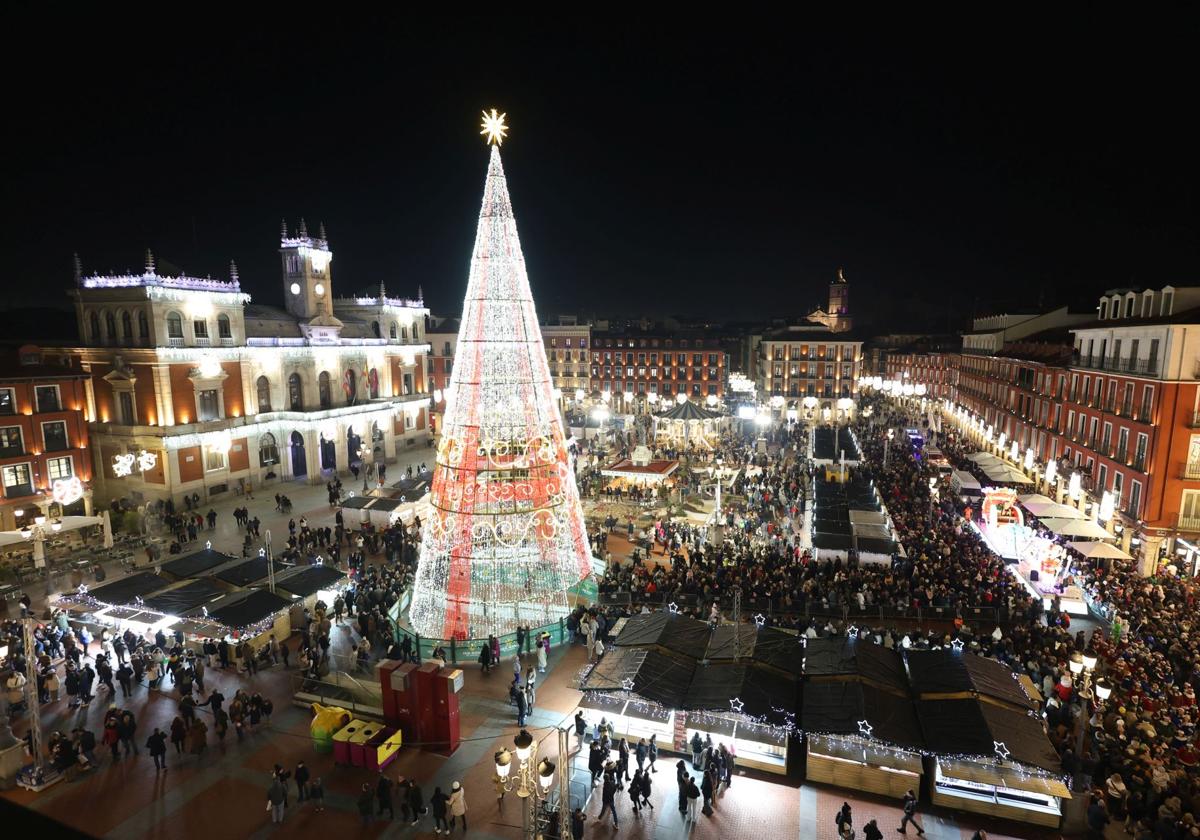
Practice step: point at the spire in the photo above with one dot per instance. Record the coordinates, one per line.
(283, 229)
(322, 233)
(382, 292)
(303, 229)
(78, 269)
(420, 294)
(149, 261)
(233, 272)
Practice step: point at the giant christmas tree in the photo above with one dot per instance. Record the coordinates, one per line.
(507, 537)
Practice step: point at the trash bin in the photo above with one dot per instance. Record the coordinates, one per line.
(341, 741)
(358, 743)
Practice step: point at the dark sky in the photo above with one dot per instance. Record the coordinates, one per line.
(723, 172)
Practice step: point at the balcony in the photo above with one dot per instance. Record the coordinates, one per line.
(1188, 523)
(1191, 471)
(1193, 420)
(175, 341)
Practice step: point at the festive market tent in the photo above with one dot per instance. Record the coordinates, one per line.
(304, 581)
(198, 562)
(1098, 549)
(841, 657)
(247, 572)
(256, 615)
(127, 589)
(1084, 528)
(951, 674)
(829, 444)
(759, 692)
(840, 707)
(185, 597)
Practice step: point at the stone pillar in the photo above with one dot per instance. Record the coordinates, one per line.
(249, 389)
(162, 395)
(1126, 539)
(312, 456)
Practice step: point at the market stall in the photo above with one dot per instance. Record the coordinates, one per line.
(195, 563)
(185, 598)
(253, 616)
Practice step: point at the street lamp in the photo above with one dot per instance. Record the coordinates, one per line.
(1081, 666)
(532, 780)
(887, 445)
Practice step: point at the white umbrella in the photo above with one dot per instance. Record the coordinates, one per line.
(983, 458)
(108, 534)
(1085, 528)
(1034, 498)
(1096, 548)
(1053, 510)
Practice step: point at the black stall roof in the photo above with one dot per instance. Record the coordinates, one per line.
(412, 488)
(253, 608)
(614, 669)
(244, 574)
(833, 542)
(780, 649)
(183, 599)
(949, 672)
(306, 580)
(677, 633)
(870, 545)
(196, 563)
(123, 591)
(357, 502)
(664, 678)
(731, 641)
(971, 727)
(841, 656)
(761, 693)
(386, 505)
(836, 708)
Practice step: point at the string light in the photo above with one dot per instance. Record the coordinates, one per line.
(507, 538)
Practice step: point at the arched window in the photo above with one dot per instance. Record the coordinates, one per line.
(143, 328)
(94, 329)
(295, 393)
(375, 329)
(268, 450)
(126, 328)
(350, 386)
(223, 330)
(323, 388)
(174, 325)
(110, 328)
(1103, 309)
(392, 331)
(264, 394)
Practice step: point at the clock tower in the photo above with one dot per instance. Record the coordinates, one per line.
(307, 277)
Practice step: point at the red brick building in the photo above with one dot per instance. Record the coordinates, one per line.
(43, 438)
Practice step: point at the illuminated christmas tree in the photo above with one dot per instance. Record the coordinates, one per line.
(507, 537)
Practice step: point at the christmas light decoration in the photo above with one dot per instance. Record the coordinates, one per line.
(507, 538)
(1001, 750)
(67, 491)
(864, 728)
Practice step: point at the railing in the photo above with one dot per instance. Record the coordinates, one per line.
(175, 341)
(1193, 420)
(203, 341)
(1188, 523)
(1191, 472)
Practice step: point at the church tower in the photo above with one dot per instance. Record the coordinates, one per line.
(307, 279)
(839, 303)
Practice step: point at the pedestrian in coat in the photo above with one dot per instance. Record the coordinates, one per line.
(275, 800)
(438, 804)
(910, 813)
(457, 805)
(157, 745)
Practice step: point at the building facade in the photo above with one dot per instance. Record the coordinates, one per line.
(205, 392)
(568, 350)
(44, 457)
(442, 336)
(1115, 399)
(810, 371)
(637, 369)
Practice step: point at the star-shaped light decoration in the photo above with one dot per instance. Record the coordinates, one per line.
(852, 632)
(864, 728)
(1001, 750)
(494, 127)
(627, 683)
(673, 608)
(736, 705)
(760, 619)
(262, 552)
(208, 545)
(957, 644)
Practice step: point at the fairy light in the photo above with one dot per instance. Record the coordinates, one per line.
(507, 538)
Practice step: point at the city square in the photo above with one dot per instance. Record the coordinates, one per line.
(493, 536)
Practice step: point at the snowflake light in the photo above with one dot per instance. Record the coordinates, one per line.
(146, 460)
(123, 465)
(507, 538)
(494, 127)
(67, 491)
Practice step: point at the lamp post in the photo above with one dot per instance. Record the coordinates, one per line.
(532, 781)
(887, 445)
(1082, 666)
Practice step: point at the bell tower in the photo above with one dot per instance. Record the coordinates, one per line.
(839, 303)
(307, 276)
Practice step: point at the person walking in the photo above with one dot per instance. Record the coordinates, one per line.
(910, 813)
(275, 799)
(366, 803)
(871, 831)
(682, 778)
(844, 819)
(301, 775)
(578, 818)
(580, 729)
(316, 793)
(522, 700)
(457, 805)
(697, 746)
(693, 798)
(416, 801)
(541, 655)
(608, 798)
(157, 745)
(438, 804)
(652, 752)
(383, 791)
(644, 791)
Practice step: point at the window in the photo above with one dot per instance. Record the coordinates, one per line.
(200, 328)
(208, 406)
(392, 331)
(295, 393)
(1147, 404)
(323, 390)
(1103, 309)
(143, 327)
(126, 328)
(94, 328)
(1102, 483)
(1139, 454)
(10, 441)
(410, 421)
(1118, 484)
(268, 450)
(223, 329)
(125, 408)
(1129, 307)
(264, 394)
(8, 401)
(1106, 438)
(1168, 298)
(1189, 508)
(446, 349)
(408, 384)
(174, 325)
(214, 459)
(47, 398)
(1135, 497)
(110, 328)
(54, 435)
(373, 383)
(16, 481)
(1122, 445)
(59, 468)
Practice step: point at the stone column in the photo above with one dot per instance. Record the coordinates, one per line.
(312, 456)
(162, 395)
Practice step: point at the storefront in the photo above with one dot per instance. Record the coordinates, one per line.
(995, 790)
(861, 764)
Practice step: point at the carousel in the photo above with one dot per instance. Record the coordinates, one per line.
(688, 424)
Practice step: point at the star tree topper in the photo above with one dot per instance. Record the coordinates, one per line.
(494, 127)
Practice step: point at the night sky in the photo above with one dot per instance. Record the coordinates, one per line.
(723, 172)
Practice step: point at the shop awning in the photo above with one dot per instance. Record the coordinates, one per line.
(1098, 549)
(949, 672)
(1051, 510)
(973, 728)
(1085, 528)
